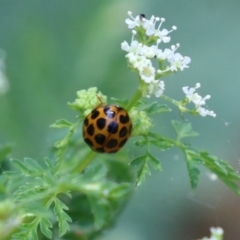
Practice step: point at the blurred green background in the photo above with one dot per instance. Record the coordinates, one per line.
(57, 47)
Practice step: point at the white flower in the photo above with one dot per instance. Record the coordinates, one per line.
(137, 61)
(149, 26)
(144, 49)
(134, 47)
(216, 231)
(157, 87)
(134, 22)
(191, 95)
(179, 62)
(216, 234)
(204, 112)
(147, 72)
(199, 101)
(149, 52)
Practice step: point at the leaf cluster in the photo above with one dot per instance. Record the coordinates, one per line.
(194, 158)
(64, 199)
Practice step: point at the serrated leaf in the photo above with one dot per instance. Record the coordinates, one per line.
(142, 172)
(61, 123)
(141, 143)
(154, 162)
(138, 161)
(49, 179)
(161, 144)
(194, 175)
(32, 165)
(183, 130)
(63, 142)
(27, 231)
(95, 171)
(62, 217)
(20, 165)
(159, 141)
(192, 155)
(223, 170)
(100, 211)
(51, 165)
(155, 108)
(45, 224)
(120, 191)
(11, 174)
(193, 172)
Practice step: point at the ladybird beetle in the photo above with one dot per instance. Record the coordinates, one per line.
(107, 128)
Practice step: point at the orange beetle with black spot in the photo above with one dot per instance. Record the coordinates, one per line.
(107, 128)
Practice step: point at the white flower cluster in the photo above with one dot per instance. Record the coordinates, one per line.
(142, 51)
(199, 101)
(216, 234)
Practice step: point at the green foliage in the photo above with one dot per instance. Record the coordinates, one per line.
(62, 216)
(155, 108)
(193, 157)
(50, 196)
(183, 130)
(42, 191)
(141, 163)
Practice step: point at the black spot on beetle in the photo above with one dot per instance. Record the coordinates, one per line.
(86, 121)
(100, 139)
(112, 143)
(100, 150)
(123, 132)
(101, 123)
(112, 127)
(90, 130)
(119, 108)
(124, 119)
(95, 114)
(88, 142)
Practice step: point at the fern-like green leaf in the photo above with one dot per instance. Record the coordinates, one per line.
(223, 170)
(155, 108)
(155, 163)
(61, 123)
(183, 130)
(45, 224)
(62, 217)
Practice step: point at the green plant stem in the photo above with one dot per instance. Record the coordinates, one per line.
(85, 162)
(168, 99)
(136, 97)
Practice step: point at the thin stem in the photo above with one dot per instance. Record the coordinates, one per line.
(174, 102)
(84, 163)
(135, 98)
